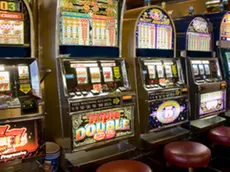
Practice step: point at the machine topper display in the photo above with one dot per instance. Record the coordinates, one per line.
(225, 27)
(154, 30)
(89, 22)
(92, 127)
(198, 35)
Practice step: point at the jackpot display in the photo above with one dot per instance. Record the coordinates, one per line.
(198, 35)
(154, 30)
(89, 22)
(12, 23)
(21, 140)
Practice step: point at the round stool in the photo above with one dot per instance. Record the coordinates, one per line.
(187, 154)
(220, 135)
(124, 166)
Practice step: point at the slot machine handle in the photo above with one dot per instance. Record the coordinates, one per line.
(47, 72)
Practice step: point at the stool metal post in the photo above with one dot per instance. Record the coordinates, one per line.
(190, 170)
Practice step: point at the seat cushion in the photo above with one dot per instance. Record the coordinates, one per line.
(187, 154)
(124, 166)
(220, 135)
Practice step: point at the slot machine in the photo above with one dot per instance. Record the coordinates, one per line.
(88, 94)
(208, 89)
(21, 104)
(155, 74)
(221, 29)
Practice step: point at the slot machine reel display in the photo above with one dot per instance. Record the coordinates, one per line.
(208, 89)
(156, 75)
(21, 104)
(95, 103)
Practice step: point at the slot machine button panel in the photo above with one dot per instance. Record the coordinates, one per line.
(95, 92)
(78, 94)
(122, 89)
(84, 93)
(148, 86)
(72, 94)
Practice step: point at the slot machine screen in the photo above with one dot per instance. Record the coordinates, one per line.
(195, 70)
(12, 23)
(154, 30)
(4, 81)
(227, 54)
(158, 72)
(89, 23)
(108, 74)
(168, 70)
(164, 113)
(152, 71)
(198, 35)
(207, 69)
(35, 79)
(201, 68)
(212, 102)
(98, 75)
(82, 75)
(95, 75)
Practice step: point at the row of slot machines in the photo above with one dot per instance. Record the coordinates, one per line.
(96, 100)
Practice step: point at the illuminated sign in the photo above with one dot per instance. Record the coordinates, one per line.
(10, 6)
(19, 140)
(198, 35)
(168, 112)
(154, 30)
(11, 28)
(89, 22)
(4, 81)
(93, 127)
(212, 102)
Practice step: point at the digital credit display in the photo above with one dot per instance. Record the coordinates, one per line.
(154, 30)
(12, 6)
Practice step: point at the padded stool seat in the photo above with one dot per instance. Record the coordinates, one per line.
(187, 154)
(220, 135)
(124, 166)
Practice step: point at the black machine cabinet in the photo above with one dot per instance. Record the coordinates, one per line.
(22, 135)
(163, 93)
(222, 40)
(155, 74)
(203, 74)
(20, 88)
